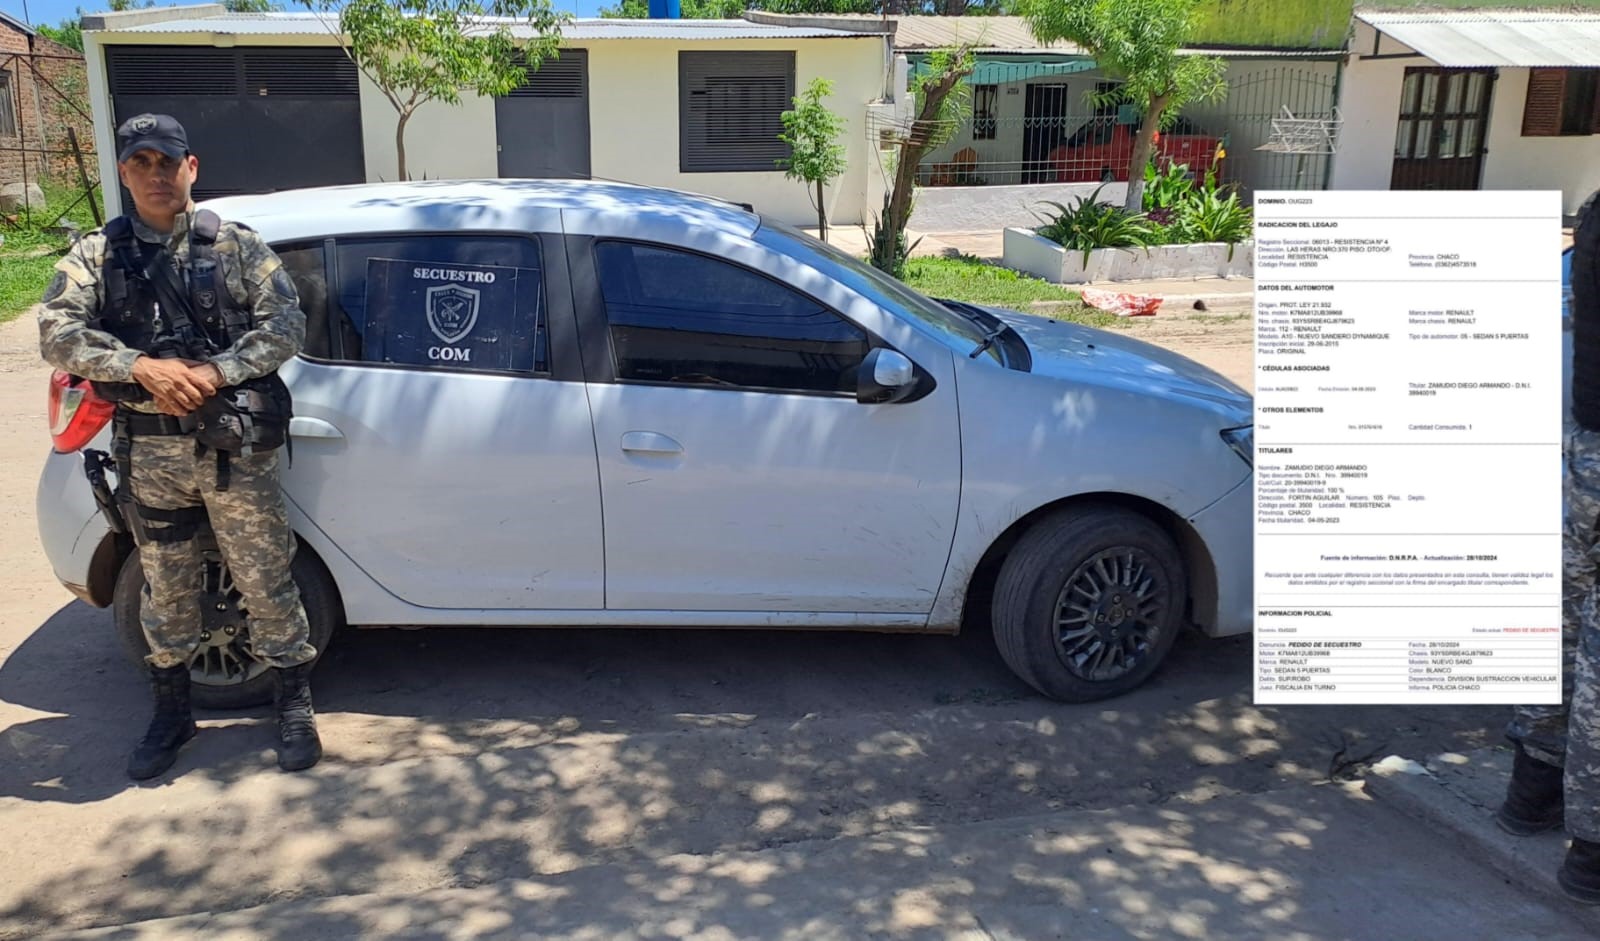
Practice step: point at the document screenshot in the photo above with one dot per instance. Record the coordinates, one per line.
(1408, 447)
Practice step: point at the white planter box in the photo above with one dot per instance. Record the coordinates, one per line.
(1043, 258)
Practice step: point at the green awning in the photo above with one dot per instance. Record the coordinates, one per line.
(998, 71)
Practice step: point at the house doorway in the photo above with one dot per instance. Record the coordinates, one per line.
(1444, 118)
(1043, 127)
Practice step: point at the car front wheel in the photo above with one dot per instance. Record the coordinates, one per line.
(1088, 603)
(224, 672)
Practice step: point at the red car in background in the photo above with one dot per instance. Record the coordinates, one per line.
(1099, 151)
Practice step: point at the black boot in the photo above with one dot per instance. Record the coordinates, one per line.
(1533, 800)
(171, 727)
(1580, 872)
(298, 745)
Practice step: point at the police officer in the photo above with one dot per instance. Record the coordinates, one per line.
(1555, 774)
(122, 311)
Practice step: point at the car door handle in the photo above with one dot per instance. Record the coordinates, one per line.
(303, 427)
(650, 442)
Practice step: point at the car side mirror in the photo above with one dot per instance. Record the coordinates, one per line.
(885, 376)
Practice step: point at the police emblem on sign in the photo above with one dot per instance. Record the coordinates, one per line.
(452, 311)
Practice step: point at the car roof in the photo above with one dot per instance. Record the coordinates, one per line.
(473, 205)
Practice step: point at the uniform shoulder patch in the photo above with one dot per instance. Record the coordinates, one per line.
(58, 287)
(282, 283)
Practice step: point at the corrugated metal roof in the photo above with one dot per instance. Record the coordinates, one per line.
(17, 24)
(994, 35)
(301, 24)
(1514, 39)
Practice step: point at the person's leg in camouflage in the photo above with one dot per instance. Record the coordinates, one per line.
(251, 524)
(1580, 872)
(162, 478)
(1534, 800)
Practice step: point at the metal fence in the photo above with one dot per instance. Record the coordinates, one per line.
(48, 146)
(1046, 131)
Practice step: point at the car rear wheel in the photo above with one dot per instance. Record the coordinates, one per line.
(224, 672)
(1088, 603)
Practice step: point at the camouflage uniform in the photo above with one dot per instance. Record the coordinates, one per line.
(249, 519)
(1581, 630)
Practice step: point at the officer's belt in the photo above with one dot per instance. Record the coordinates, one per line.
(142, 423)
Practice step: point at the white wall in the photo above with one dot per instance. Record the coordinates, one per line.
(1370, 100)
(987, 208)
(633, 119)
(442, 141)
(1514, 162)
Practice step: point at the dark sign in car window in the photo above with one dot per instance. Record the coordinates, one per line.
(467, 302)
(680, 317)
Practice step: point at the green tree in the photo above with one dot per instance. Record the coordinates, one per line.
(812, 132)
(942, 99)
(417, 51)
(1136, 41)
(68, 33)
(250, 6)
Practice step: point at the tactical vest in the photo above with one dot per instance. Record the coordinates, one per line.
(129, 311)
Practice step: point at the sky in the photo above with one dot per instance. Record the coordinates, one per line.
(54, 11)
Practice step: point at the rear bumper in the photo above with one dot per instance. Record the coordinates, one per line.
(71, 529)
(1227, 527)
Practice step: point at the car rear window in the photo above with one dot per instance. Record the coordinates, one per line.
(465, 302)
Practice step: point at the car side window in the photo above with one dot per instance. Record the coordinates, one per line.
(473, 302)
(680, 317)
(306, 269)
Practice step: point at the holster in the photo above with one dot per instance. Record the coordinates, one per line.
(250, 417)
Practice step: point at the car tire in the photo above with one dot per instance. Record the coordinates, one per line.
(229, 677)
(1107, 646)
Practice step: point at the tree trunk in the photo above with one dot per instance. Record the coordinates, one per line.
(400, 142)
(912, 150)
(822, 213)
(1143, 144)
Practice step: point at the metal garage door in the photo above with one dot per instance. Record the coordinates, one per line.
(542, 127)
(259, 119)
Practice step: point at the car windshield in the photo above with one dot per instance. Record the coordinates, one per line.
(858, 274)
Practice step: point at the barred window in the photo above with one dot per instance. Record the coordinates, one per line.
(984, 99)
(730, 107)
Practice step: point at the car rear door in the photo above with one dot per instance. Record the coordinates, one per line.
(444, 441)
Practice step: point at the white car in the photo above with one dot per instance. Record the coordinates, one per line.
(588, 404)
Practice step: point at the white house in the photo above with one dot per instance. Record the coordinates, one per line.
(271, 102)
(1468, 100)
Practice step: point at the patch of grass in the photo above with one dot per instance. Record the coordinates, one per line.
(965, 278)
(22, 281)
(33, 242)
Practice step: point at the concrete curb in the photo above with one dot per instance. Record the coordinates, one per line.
(1456, 795)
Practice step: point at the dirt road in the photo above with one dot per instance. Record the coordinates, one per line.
(460, 757)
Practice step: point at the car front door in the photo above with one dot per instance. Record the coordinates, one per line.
(738, 472)
(444, 441)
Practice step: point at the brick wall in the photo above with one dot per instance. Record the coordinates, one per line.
(44, 109)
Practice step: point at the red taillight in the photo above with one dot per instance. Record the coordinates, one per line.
(76, 413)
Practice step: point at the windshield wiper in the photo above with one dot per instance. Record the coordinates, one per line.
(989, 337)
